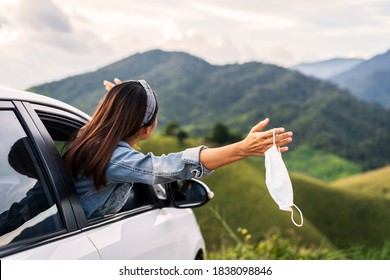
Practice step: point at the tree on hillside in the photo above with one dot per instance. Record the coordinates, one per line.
(173, 129)
(181, 136)
(221, 135)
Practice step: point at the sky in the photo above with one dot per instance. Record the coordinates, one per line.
(46, 40)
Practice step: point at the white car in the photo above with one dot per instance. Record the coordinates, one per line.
(41, 216)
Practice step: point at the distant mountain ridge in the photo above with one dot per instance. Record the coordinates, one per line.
(328, 68)
(369, 80)
(197, 95)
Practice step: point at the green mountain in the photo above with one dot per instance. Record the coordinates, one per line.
(197, 95)
(327, 68)
(370, 80)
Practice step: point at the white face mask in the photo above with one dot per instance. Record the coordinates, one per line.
(278, 181)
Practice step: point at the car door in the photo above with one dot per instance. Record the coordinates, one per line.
(59, 126)
(143, 231)
(166, 233)
(36, 217)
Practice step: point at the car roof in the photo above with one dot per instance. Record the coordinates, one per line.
(20, 95)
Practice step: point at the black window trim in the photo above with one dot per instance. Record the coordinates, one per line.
(30, 121)
(66, 189)
(25, 123)
(103, 221)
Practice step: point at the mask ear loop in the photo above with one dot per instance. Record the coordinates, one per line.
(274, 137)
(292, 216)
(292, 212)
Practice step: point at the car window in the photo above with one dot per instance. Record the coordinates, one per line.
(61, 129)
(27, 206)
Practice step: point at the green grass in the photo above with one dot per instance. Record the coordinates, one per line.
(276, 247)
(244, 201)
(272, 247)
(373, 183)
(348, 219)
(320, 164)
(337, 216)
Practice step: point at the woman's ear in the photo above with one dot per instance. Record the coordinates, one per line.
(147, 130)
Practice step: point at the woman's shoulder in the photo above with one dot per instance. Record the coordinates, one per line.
(123, 144)
(124, 149)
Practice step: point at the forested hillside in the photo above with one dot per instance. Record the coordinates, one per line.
(197, 95)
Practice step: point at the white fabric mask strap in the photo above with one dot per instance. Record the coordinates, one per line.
(274, 135)
(292, 216)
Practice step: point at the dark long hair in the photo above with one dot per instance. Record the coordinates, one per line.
(118, 116)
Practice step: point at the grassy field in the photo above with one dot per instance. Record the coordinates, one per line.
(374, 183)
(347, 215)
(320, 164)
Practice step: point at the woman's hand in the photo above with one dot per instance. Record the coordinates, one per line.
(258, 142)
(108, 85)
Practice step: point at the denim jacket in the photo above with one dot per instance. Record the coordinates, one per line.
(128, 166)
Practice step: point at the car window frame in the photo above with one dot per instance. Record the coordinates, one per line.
(67, 117)
(70, 204)
(36, 144)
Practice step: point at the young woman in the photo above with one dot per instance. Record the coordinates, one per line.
(104, 161)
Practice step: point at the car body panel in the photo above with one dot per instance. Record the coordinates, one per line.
(149, 232)
(19, 95)
(75, 247)
(141, 238)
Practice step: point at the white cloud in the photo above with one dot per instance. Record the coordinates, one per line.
(41, 15)
(7, 35)
(256, 19)
(42, 40)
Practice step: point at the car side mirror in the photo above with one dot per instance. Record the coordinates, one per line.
(188, 193)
